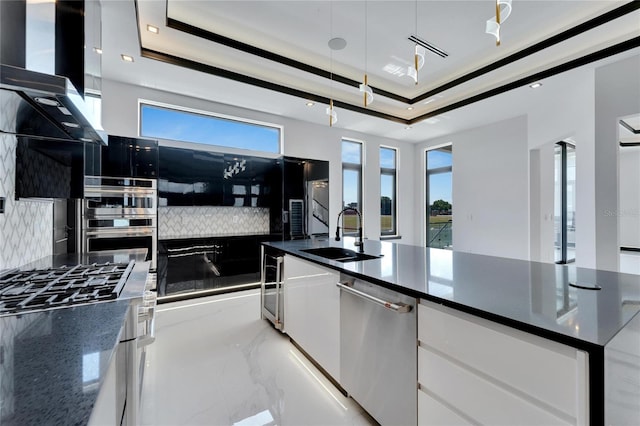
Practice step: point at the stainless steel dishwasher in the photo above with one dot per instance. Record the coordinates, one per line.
(378, 353)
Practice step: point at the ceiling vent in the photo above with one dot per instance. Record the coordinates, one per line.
(417, 40)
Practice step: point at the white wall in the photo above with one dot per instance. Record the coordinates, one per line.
(617, 95)
(563, 109)
(629, 211)
(490, 188)
(301, 139)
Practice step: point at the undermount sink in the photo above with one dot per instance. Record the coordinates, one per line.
(339, 254)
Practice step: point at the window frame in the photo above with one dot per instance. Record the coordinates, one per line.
(211, 147)
(393, 172)
(359, 168)
(564, 196)
(427, 173)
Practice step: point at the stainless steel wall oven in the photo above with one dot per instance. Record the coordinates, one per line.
(120, 213)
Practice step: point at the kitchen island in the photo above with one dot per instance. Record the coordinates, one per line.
(54, 362)
(590, 311)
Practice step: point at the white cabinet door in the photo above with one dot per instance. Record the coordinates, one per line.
(312, 308)
(432, 412)
(495, 374)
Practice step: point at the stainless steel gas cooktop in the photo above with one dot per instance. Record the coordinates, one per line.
(39, 289)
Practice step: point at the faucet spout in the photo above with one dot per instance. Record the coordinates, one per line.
(359, 243)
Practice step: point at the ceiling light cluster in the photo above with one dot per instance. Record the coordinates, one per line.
(503, 10)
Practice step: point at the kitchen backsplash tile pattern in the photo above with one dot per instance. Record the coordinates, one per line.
(26, 226)
(199, 222)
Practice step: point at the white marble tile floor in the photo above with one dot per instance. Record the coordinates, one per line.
(215, 362)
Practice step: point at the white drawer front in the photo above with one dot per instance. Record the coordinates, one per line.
(433, 413)
(477, 397)
(546, 370)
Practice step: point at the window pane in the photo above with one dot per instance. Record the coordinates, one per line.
(166, 123)
(571, 203)
(350, 188)
(439, 225)
(387, 158)
(440, 157)
(387, 204)
(557, 204)
(351, 152)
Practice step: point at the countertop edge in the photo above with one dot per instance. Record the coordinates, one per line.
(510, 322)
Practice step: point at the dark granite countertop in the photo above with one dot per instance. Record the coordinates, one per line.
(531, 296)
(53, 362)
(72, 259)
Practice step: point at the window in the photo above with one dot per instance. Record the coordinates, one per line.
(388, 201)
(439, 201)
(564, 205)
(203, 128)
(351, 183)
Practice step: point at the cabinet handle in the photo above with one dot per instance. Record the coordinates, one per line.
(397, 307)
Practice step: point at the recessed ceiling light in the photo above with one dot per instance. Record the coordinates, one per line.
(428, 101)
(97, 50)
(535, 85)
(309, 104)
(410, 108)
(408, 128)
(126, 58)
(72, 125)
(152, 29)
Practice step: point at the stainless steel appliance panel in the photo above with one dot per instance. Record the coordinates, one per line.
(120, 213)
(378, 353)
(272, 289)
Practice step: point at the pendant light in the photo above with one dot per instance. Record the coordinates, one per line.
(334, 44)
(503, 10)
(367, 92)
(419, 52)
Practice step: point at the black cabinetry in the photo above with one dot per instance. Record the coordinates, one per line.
(49, 168)
(202, 178)
(130, 157)
(199, 264)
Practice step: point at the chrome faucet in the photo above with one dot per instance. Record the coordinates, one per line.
(358, 242)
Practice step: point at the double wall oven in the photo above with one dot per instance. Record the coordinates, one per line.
(120, 213)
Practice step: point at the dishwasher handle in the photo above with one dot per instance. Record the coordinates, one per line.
(397, 307)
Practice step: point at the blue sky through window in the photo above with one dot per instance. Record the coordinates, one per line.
(387, 158)
(166, 123)
(440, 183)
(351, 152)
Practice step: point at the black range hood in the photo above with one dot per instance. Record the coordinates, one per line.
(44, 106)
